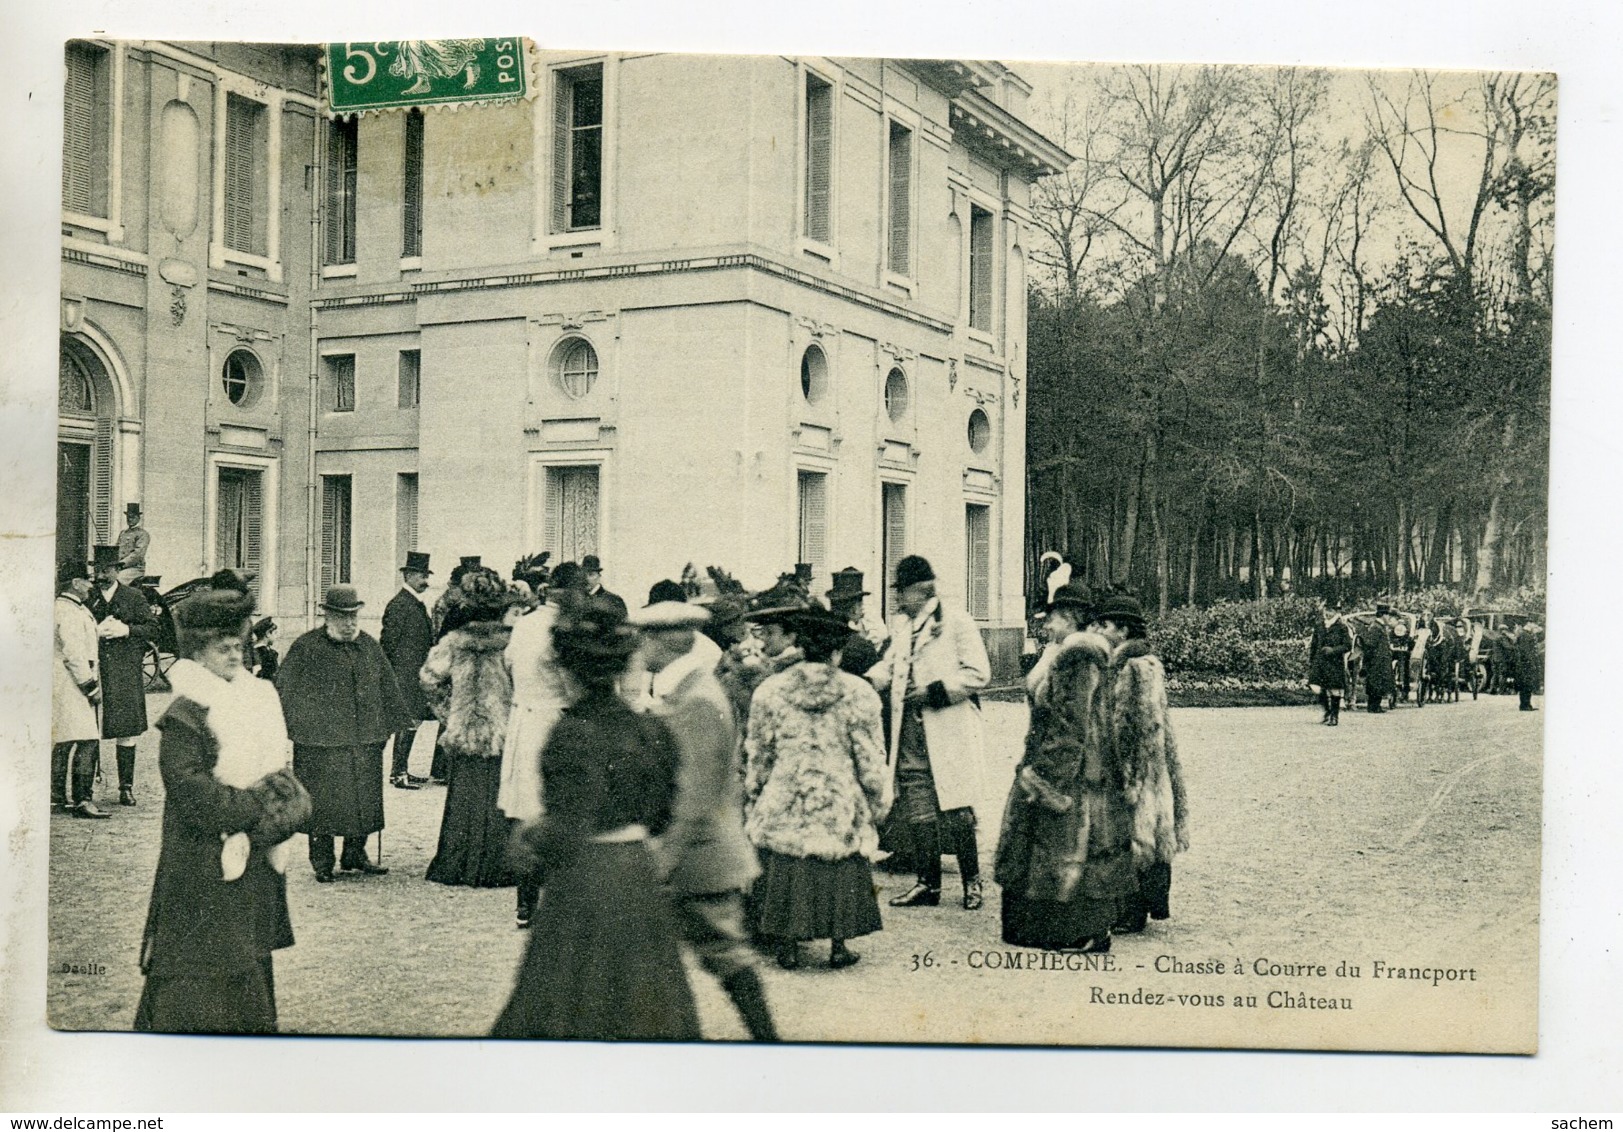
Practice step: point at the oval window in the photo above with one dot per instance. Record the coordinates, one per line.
(980, 430)
(813, 374)
(896, 395)
(241, 378)
(577, 368)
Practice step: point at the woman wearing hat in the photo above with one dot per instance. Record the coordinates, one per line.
(603, 959)
(467, 684)
(1146, 752)
(1063, 857)
(815, 793)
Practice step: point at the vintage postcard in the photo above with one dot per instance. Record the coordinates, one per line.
(634, 545)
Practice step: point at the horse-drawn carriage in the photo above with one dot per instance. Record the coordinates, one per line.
(161, 651)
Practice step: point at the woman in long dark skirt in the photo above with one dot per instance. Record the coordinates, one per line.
(219, 900)
(468, 685)
(815, 793)
(603, 960)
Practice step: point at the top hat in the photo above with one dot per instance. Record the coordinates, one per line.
(417, 560)
(803, 573)
(669, 615)
(1382, 609)
(1121, 608)
(69, 571)
(105, 556)
(591, 564)
(1073, 595)
(847, 585)
(912, 570)
(469, 561)
(132, 509)
(342, 599)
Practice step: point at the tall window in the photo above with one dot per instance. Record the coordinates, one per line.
(572, 512)
(978, 567)
(411, 378)
(901, 199)
(343, 142)
(247, 160)
(239, 520)
(411, 195)
(981, 251)
(405, 515)
(577, 149)
(340, 381)
(86, 132)
(335, 530)
(819, 156)
(813, 546)
(893, 538)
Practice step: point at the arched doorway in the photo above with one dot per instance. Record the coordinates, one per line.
(86, 409)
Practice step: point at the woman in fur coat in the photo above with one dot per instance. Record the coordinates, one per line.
(1147, 754)
(1064, 858)
(470, 689)
(815, 791)
(219, 900)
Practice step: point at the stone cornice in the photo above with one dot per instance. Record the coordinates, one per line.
(990, 129)
(112, 263)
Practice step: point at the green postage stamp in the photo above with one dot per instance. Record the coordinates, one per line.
(422, 72)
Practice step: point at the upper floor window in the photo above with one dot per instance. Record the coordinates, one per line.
(247, 165)
(819, 158)
(411, 196)
(340, 374)
(813, 374)
(982, 251)
(343, 146)
(577, 149)
(241, 378)
(86, 130)
(900, 251)
(411, 378)
(577, 368)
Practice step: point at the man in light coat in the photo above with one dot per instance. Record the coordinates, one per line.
(707, 859)
(75, 692)
(933, 673)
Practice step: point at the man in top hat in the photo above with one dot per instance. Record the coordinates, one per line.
(408, 634)
(133, 540)
(861, 649)
(342, 703)
(1376, 644)
(124, 625)
(1529, 663)
(707, 860)
(592, 566)
(933, 672)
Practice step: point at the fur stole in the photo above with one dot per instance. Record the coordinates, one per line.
(470, 688)
(1147, 754)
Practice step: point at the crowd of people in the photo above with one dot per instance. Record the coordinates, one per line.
(715, 769)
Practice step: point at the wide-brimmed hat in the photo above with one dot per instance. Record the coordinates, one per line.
(417, 560)
(770, 605)
(213, 610)
(847, 585)
(815, 622)
(662, 615)
(912, 570)
(1121, 608)
(1073, 595)
(104, 556)
(342, 599)
(593, 627)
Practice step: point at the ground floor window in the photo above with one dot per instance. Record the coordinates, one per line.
(239, 523)
(405, 515)
(572, 508)
(813, 545)
(893, 538)
(335, 530)
(978, 564)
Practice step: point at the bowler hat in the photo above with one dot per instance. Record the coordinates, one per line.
(417, 560)
(105, 556)
(133, 509)
(847, 585)
(342, 599)
(591, 564)
(669, 615)
(1120, 608)
(666, 590)
(1073, 595)
(912, 570)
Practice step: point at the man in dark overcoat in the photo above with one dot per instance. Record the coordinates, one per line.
(1327, 663)
(706, 857)
(408, 634)
(124, 625)
(1528, 652)
(593, 568)
(342, 703)
(859, 653)
(1376, 643)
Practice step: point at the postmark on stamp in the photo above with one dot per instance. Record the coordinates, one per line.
(421, 72)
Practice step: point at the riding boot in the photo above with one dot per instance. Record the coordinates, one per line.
(968, 853)
(927, 859)
(60, 753)
(744, 988)
(1335, 711)
(126, 775)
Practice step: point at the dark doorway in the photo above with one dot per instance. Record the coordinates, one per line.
(72, 503)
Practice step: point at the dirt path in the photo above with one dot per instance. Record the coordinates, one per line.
(1410, 838)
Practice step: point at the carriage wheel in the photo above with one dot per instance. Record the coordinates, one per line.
(154, 670)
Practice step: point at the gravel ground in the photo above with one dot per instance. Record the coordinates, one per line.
(1411, 838)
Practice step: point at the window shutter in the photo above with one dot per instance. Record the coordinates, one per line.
(239, 174)
(981, 249)
(103, 484)
(819, 156)
(329, 531)
(78, 129)
(411, 242)
(895, 515)
(252, 524)
(901, 199)
(552, 525)
(561, 99)
(814, 520)
(978, 532)
(405, 515)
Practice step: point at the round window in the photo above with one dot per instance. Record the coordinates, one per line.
(813, 374)
(577, 368)
(241, 378)
(896, 395)
(980, 430)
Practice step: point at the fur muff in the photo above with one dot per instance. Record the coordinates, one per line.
(286, 806)
(1151, 778)
(814, 783)
(468, 685)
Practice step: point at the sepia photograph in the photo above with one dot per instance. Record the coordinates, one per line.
(653, 546)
